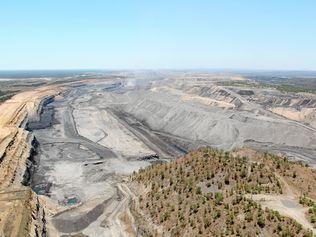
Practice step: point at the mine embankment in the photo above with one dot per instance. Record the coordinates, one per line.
(150, 138)
(77, 149)
(225, 128)
(22, 214)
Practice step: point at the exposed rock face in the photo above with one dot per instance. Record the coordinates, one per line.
(21, 211)
(30, 162)
(14, 159)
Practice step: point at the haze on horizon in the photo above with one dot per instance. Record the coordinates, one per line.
(154, 35)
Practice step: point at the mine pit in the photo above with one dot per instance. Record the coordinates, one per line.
(82, 145)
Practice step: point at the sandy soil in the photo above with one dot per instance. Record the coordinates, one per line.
(207, 101)
(292, 113)
(286, 206)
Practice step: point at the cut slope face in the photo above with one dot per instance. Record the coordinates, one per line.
(21, 212)
(15, 146)
(209, 192)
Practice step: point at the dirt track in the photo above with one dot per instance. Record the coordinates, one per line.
(286, 204)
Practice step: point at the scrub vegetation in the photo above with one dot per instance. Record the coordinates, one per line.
(206, 193)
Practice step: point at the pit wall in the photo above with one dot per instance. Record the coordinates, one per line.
(22, 213)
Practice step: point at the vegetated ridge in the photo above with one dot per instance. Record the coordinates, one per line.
(209, 192)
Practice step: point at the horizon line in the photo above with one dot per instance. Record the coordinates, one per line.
(159, 69)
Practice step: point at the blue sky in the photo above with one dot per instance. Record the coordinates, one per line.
(143, 34)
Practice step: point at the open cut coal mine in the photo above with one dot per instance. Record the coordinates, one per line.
(90, 138)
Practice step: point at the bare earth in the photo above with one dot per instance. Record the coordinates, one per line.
(90, 135)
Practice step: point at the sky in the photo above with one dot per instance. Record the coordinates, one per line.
(158, 34)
